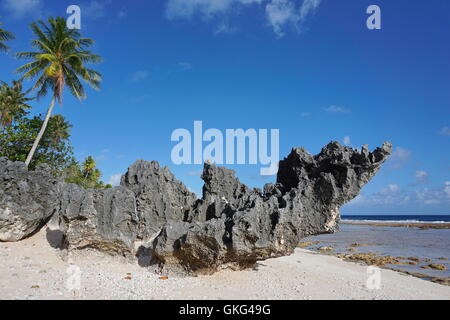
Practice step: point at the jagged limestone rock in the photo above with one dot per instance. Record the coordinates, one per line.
(100, 219)
(235, 226)
(27, 199)
(159, 196)
(231, 226)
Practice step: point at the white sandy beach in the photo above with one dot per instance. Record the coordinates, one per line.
(32, 269)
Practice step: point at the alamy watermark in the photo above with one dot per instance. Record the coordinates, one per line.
(74, 20)
(373, 21)
(236, 146)
(73, 282)
(374, 279)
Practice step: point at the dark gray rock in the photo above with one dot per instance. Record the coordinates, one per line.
(103, 219)
(153, 215)
(159, 196)
(100, 219)
(27, 199)
(233, 226)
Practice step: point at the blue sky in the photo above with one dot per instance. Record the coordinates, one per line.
(309, 68)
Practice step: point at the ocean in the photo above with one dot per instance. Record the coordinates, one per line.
(431, 246)
(399, 218)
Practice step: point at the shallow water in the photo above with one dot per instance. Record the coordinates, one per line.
(399, 218)
(393, 241)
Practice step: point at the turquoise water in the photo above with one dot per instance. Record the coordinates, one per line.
(432, 244)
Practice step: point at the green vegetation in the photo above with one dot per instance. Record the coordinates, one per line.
(54, 150)
(13, 102)
(58, 62)
(85, 174)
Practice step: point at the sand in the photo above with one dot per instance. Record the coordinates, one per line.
(32, 269)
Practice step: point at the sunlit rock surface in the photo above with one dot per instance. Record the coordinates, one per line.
(156, 219)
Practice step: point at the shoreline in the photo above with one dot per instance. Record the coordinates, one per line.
(420, 225)
(388, 248)
(381, 261)
(32, 269)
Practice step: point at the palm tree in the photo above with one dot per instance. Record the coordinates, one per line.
(58, 62)
(5, 36)
(88, 167)
(13, 102)
(59, 128)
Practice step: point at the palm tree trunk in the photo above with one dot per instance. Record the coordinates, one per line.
(41, 133)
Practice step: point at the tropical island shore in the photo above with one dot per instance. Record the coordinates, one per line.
(33, 269)
(419, 225)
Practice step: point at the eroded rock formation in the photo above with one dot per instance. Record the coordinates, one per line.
(152, 214)
(27, 199)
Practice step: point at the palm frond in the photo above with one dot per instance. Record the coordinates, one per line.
(26, 55)
(59, 60)
(74, 84)
(5, 36)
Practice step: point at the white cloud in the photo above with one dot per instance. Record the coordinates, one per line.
(447, 188)
(305, 114)
(308, 6)
(99, 9)
(205, 8)
(185, 66)
(121, 14)
(399, 157)
(114, 180)
(225, 28)
(401, 154)
(393, 195)
(139, 75)
(347, 141)
(95, 9)
(421, 177)
(391, 188)
(430, 196)
(138, 99)
(337, 109)
(20, 8)
(420, 174)
(445, 131)
(101, 157)
(279, 13)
